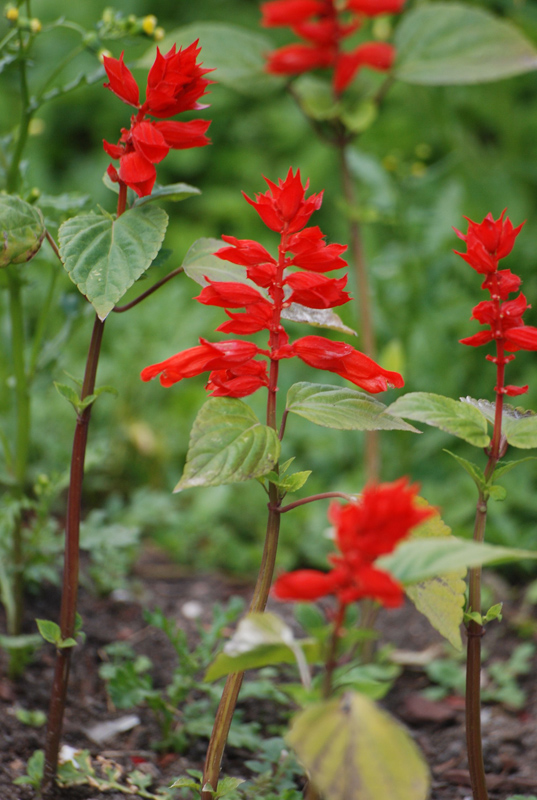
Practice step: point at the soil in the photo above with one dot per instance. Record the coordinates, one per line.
(510, 737)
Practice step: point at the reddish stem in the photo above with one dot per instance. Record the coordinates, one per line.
(72, 551)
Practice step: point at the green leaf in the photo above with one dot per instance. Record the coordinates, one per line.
(440, 598)
(262, 639)
(227, 785)
(49, 630)
(22, 232)
(174, 192)
(289, 483)
(452, 416)
(237, 54)
(504, 467)
(494, 612)
(497, 492)
(72, 396)
(473, 616)
(104, 256)
(452, 43)
(475, 472)
(228, 444)
(341, 408)
(518, 425)
(353, 750)
(187, 783)
(414, 561)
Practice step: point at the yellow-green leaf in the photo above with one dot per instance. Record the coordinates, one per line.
(441, 598)
(353, 750)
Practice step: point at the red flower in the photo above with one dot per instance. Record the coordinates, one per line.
(344, 360)
(175, 83)
(207, 356)
(487, 243)
(325, 24)
(286, 209)
(366, 529)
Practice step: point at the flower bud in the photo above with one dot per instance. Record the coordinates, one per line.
(35, 25)
(12, 13)
(149, 24)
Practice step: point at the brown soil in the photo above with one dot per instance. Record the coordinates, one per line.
(510, 738)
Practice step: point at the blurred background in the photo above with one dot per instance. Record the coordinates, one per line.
(432, 156)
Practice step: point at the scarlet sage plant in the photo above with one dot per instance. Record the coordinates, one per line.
(325, 25)
(267, 287)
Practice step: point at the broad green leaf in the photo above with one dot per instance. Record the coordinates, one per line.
(497, 492)
(475, 472)
(262, 639)
(228, 444)
(518, 425)
(452, 416)
(174, 192)
(104, 256)
(22, 230)
(236, 54)
(200, 264)
(353, 750)
(452, 43)
(414, 561)
(341, 408)
(373, 680)
(440, 598)
(290, 483)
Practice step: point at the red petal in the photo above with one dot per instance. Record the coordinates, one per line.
(122, 82)
(184, 135)
(149, 141)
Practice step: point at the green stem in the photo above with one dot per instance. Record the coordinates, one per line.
(13, 176)
(22, 435)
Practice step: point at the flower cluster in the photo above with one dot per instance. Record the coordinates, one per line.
(364, 530)
(486, 244)
(324, 25)
(174, 84)
(273, 286)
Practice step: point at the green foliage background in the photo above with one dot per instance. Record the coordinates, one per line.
(434, 155)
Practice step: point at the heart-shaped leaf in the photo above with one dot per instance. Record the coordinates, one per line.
(104, 256)
(228, 444)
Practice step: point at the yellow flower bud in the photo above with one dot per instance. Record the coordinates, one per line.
(12, 13)
(159, 34)
(35, 25)
(149, 24)
(102, 53)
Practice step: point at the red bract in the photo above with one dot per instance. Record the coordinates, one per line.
(175, 83)
(285, 209)
(324, 25)
(366, 529)
(487, 243)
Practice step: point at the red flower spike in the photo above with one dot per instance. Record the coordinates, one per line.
(372, 526)
(121, 81)
(284, 208)
(175, 83)
(239, 381)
